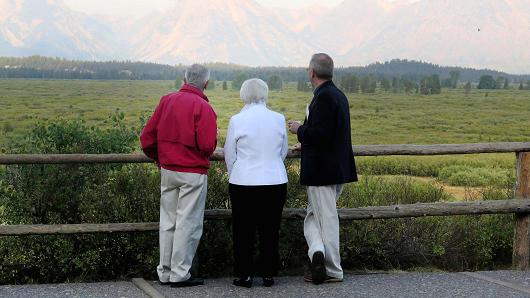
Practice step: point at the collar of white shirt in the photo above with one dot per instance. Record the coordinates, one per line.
(253, 105)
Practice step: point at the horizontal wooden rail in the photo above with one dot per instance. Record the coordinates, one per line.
(364, 150)
(382, 212)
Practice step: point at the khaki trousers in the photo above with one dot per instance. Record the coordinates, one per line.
(183, 196)
(321, 226)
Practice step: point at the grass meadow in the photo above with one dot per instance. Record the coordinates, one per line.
(381, 118)
(130, 193)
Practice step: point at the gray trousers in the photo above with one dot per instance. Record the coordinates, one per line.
(182, 200)
(321, 226)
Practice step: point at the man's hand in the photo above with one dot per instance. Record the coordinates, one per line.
(296, 147)
(293, 126)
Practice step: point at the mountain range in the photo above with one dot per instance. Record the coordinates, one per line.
(472, 33)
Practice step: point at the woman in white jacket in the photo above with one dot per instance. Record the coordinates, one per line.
(255, 148)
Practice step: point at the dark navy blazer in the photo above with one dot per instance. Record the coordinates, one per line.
(327, 155)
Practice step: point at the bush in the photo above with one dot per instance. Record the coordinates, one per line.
(468, 176)
(61, 194)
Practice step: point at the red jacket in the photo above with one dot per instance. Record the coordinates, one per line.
(182, 133)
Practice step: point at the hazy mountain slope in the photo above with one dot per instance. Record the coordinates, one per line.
(48, 27)
(219, 30)
(475, 33)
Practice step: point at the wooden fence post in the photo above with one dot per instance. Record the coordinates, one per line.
(521, 240)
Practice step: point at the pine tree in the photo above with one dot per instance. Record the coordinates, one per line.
(425, 86)
(178, 82)
(486, 82)
(521, 87)
(499, 82)
(274, 82)
(506, 84)
(211, 84)
(396, 84)
(436, 88)
(225, 85)
(455, 75)
(238, 81)
(467, 88)
(385, 84)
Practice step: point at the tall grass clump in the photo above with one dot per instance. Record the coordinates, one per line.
(461, 175)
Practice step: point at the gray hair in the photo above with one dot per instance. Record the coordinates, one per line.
(197, 75)
(322, 65)
(254, 91)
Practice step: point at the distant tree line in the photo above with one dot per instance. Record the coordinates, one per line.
(405, 70)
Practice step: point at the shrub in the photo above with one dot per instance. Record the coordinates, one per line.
(468, 176)
(59, 194)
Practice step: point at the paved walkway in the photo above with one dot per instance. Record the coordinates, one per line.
(479, 284)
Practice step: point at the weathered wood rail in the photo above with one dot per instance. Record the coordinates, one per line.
(366, 150)
(520, 206)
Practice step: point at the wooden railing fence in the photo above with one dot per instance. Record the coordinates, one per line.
(520, 206)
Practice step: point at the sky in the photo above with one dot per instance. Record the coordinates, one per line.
(141, 7)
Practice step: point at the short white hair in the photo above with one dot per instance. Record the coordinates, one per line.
(254, 91)
(197, 75)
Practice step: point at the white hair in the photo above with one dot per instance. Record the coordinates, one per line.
(197, 75)
(254, 91)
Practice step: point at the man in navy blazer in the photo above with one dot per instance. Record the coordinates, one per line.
(327, 164)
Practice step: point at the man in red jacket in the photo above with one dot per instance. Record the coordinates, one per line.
(181, 136)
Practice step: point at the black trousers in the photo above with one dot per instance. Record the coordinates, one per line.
(256, 209)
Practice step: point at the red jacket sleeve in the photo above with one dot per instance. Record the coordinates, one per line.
(148, 138)
(206, 130)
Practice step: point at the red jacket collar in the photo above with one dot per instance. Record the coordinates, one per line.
(192, 89)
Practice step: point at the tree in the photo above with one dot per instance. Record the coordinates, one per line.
(486, 82)
(396, 84)
(225, 85)
(410, 86)
(385, 84)
(506, 84)
(368, 84)
(436, 87)
(238, 81)
(499, 82)
(211, 84)
(455, 76)
(349, 84)
(274, 82)
(178, 82)
(447, 83)
(467, 88)
(303, 86)
(430, 85)
(426, 86)
(521, 87)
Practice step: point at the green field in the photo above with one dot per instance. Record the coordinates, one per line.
(381, 118)
(64, 194)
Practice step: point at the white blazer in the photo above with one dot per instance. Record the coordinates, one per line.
(256, 146)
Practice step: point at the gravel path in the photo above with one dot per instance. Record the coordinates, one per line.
(354, 285)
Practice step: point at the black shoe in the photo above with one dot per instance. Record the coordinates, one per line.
(243, 282)
(318, 268)
(268, 281)
(191, 282)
